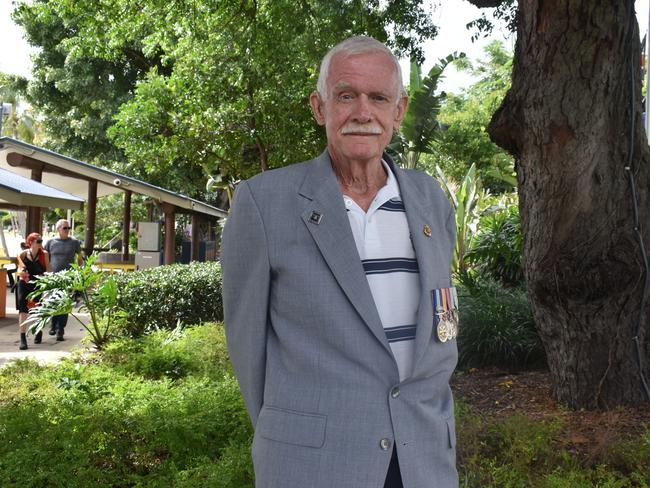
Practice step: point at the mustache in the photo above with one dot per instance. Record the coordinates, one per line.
(353, 128)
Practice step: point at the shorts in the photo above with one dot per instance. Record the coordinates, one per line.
(23, 290)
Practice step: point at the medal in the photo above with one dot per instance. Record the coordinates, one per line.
(443, 333)
(445, 313)
(452, 330)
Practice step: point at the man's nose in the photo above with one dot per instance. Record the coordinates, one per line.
(363, 109)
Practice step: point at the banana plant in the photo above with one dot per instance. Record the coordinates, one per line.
(420, 126)
(465, 199)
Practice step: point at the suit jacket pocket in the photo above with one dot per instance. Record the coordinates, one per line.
(292, 427)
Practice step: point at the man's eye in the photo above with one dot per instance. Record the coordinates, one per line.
(345, 97)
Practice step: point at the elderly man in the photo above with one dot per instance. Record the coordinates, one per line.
(339, 311)
(63, 250)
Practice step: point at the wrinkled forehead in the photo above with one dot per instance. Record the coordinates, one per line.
(374, 71)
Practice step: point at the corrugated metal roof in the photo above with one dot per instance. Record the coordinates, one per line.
(21, 191)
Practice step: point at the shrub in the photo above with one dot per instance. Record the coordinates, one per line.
(497, 328)
(233, 470)
(102, 425)
(166, 296)
(496, 248)
(198, 350)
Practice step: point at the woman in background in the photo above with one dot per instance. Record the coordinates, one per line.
(32, 262)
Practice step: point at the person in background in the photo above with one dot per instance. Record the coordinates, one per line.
(64, 250)
(32, 262)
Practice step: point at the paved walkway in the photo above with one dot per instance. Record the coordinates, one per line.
(48, 351)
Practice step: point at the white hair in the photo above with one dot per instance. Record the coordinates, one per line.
(354, 46)
(59, 223)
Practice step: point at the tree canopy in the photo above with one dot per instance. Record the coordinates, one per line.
(465, 117)
(176, 91)
(19, 122)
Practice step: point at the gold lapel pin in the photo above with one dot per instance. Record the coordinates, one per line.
(427, 230)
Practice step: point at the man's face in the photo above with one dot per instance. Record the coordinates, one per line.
(362, 106)
(64, 230)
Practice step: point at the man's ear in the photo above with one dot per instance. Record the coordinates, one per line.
(317, 107)
(400, 112)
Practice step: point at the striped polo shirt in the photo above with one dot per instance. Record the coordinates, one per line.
(384, 244)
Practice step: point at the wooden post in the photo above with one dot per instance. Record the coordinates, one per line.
(34, 214)
(91, 211)
(196, 227)
(170, 233)
(126, 225)
(3, 291)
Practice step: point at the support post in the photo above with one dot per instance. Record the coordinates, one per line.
(170, 231)
(196, 228)
(35, 214)
(126, 225)
(91, 212)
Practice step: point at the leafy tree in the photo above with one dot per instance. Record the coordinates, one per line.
(175, 91)
(19, 124)
(76, 94)
(504, 10)
(465, 117)
(572, 119)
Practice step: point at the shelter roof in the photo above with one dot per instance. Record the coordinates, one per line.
(19, 191)
(70, 175)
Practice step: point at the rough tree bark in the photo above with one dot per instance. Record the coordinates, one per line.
(569, 120)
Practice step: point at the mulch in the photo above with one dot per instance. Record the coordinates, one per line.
(494, 395)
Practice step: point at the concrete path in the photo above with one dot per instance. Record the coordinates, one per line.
(49, 351)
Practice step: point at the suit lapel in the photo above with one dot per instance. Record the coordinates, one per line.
(326, 220)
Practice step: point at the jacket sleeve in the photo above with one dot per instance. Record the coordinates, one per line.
(246, 283)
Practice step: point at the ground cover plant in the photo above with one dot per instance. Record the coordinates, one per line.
(165, 410)
(512, 433)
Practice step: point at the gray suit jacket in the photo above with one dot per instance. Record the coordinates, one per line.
(315, 368)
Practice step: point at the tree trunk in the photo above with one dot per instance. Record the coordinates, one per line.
(570, 119)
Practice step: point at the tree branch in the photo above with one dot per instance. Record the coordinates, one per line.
(486, 3)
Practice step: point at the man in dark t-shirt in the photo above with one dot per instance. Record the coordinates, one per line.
(63, 251)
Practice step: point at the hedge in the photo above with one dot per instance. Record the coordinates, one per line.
(166, 296)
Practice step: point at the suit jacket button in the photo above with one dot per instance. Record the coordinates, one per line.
(395, 392)
(385, 444)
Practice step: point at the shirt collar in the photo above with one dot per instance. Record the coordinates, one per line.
(387, 192)
(390, 189)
